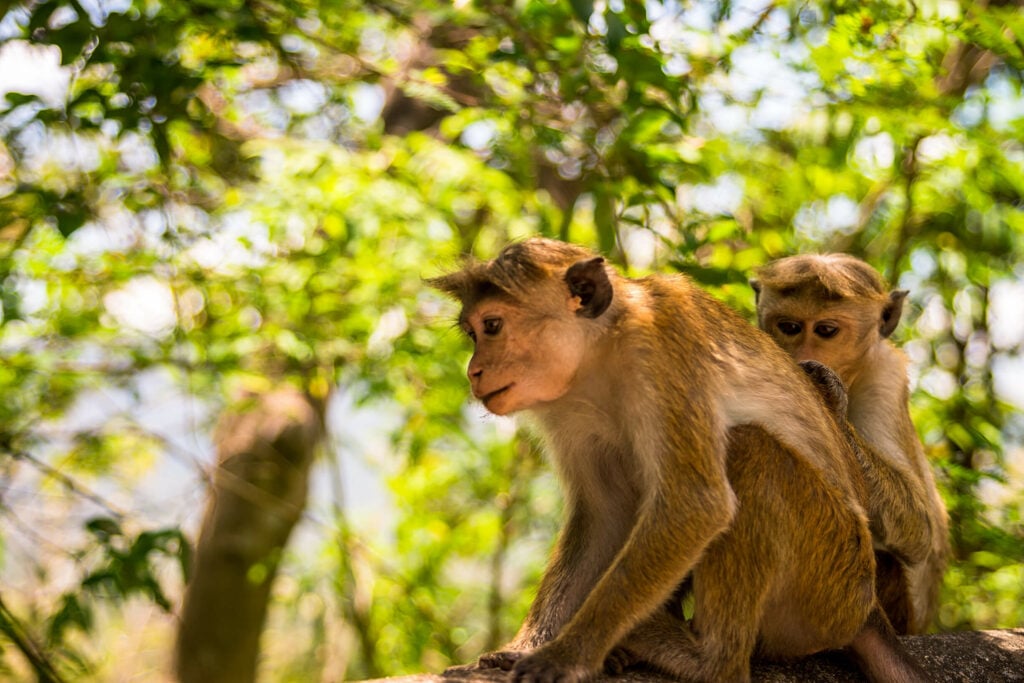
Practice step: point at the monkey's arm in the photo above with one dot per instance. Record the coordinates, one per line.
(665, 543)
(897, 507)
(896, 501)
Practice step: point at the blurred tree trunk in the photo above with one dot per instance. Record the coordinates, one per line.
(259, 492)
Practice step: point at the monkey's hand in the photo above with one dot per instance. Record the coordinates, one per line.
(830, 386)
(552, 664)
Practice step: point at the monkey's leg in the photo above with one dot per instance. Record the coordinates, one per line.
(893, 591)
(662, 642)
(665, 543)
(726, 641)
(924, 581)
(900, 525)
(621, 658)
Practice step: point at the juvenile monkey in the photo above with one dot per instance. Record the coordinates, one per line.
(835, 309)
(688, 444)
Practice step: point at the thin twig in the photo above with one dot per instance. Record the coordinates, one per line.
(910, 171)
(69, 483)
(12, 627)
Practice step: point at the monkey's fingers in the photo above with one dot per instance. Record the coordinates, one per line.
(461, 669)
(503, 660)
(618, 660)
(829, 385)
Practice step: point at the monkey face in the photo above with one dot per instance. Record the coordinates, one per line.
(530, 313)
(522, 357)
(837, 335)
(830, 308)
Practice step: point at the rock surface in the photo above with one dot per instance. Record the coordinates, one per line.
(964, 657)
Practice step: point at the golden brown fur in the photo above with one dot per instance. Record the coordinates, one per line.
(835, 309)
(803, 595)
(688, 444)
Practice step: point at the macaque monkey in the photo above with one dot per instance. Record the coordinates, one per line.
(689, 446)
(835, 309)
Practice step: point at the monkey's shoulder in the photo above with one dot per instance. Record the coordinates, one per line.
(676, 306)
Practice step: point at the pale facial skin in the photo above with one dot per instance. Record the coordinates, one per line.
(519, 360)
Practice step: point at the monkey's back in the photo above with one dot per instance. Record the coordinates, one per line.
(692, 318)
(716, 353)
(805, 609)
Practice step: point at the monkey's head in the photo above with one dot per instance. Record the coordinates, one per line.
(831, 308)
(531, 313)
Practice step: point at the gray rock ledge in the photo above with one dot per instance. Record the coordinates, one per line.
(961, 657)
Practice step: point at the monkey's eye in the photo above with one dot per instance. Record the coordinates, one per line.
(492, 326)
(826, 330)
(469, 333)
(789, 328)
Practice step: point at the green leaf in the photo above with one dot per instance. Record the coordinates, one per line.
(17, 99)
(616, 31)
(71, 614)
(70, 217)
(583, 9)
(104, 528)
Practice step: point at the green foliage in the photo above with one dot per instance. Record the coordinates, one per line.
(234, 195)
(126, 566)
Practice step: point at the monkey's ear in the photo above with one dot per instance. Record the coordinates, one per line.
(892, 311)
(589, 281)
(755, 284)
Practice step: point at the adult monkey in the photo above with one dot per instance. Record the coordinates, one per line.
(836, 309)
(687, 444)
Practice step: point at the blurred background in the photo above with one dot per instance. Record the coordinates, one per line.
(206, 205)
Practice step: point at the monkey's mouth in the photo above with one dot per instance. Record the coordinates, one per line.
(487, 398)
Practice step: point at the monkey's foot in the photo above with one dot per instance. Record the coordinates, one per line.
(504, 659)
(618, 660)
(461, 669)
(548, 665)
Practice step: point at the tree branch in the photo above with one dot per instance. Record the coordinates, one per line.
(12, 627)
(910, 172)
(69, 483)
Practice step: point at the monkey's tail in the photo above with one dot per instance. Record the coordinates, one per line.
(881, 656)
